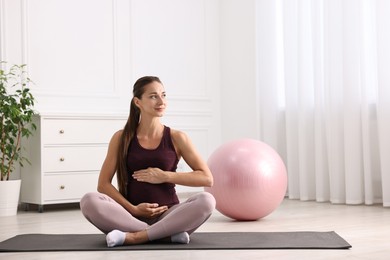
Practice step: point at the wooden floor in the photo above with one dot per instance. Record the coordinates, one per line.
(366, 228)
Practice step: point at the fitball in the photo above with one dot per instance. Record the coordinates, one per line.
(250, 179)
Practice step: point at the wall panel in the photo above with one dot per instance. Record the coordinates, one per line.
(71, 56)
(169, 41)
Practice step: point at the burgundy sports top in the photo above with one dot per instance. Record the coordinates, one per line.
(163, 157)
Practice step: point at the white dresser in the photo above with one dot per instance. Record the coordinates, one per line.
(66, 154)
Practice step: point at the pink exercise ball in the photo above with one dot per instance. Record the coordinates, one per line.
(250, 179)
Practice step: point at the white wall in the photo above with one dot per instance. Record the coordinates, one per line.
(84, 56)
(239, 97)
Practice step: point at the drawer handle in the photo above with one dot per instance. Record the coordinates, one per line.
(62, 187)
(62, 159)
(62, 131)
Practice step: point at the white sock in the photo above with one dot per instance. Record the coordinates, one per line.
(182, 238)
(115, 238)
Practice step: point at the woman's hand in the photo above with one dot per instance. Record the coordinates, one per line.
(151, 175)
(149, 210)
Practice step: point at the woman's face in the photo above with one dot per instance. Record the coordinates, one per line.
(153, 100)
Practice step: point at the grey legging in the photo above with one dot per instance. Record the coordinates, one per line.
(107, 215)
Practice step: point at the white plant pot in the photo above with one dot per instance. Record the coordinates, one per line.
(9, 197)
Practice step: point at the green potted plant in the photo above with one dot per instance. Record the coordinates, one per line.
(16, 115)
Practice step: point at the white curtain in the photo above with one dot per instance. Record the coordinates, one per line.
(323, 80)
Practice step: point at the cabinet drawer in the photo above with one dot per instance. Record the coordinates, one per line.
(73, 158)
(69, 187)
(81, 131)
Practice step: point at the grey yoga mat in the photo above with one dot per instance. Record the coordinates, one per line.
(199, 241)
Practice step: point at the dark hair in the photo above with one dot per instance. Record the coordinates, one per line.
(129, 131)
